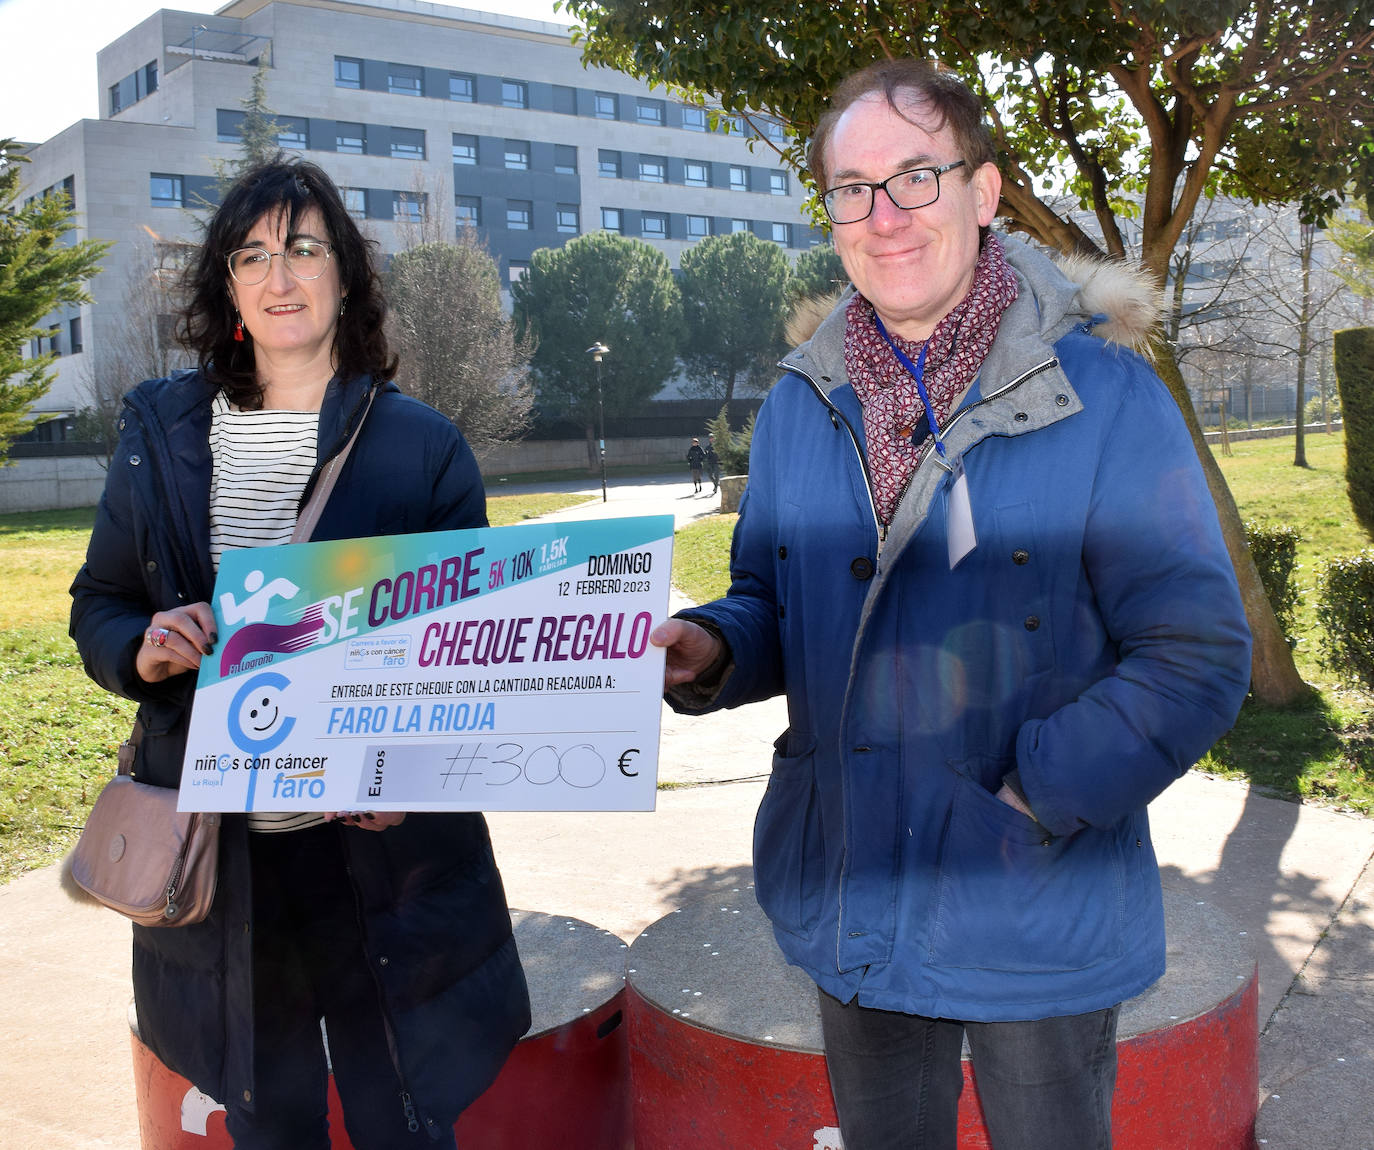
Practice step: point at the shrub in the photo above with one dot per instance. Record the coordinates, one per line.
(1345, 610)
(732, 446)
(1274, 547)
(1354, 357)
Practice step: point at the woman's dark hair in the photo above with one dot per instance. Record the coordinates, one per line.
(290, 187)
(951, 101)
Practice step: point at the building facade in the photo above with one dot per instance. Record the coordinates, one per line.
(429, 117)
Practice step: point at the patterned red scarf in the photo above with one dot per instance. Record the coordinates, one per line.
(957, 347)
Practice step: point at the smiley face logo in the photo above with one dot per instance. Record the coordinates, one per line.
(256, 721)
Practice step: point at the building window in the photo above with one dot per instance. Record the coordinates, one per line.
(409, 207)
(350, 138)
(407, 143)
(732, 125)
(777, 183)
(228, 126)
(608, 164)
(348, 72)
(518, 155)
(565, 159)
(166, 191)
(773, 131)
(405, 80)
(355, 202)
(610, 220)
(739, 226)
(516, 270)
(74, 334)
(653, 226)
(133, 87)
(55, 339)
(782, 234)
(464, 148)
(565, 100)
(698, 227)
(515, 94)
(649, 112)
(293, 132)
(467, 210)
(694, 119)
(739, 178)
(518, 214)
(605, 106)
(653, 169)
(696, 174)
(462, 87)
(566, 218)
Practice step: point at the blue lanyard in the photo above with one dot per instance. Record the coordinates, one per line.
(917, 371)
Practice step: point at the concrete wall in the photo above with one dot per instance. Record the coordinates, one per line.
(51, 484)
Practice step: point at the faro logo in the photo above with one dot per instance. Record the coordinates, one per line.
(301, 785)
(257, 723)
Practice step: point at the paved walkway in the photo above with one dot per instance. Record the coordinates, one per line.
(1298, 878)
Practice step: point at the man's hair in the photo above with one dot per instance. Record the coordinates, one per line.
(944, 100)
(289, 188)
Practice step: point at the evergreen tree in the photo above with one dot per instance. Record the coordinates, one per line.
(38, 272)
(599, 288)
(819, 272)
(734, 295)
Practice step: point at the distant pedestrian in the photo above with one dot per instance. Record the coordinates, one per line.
(712, 463)
(695, 458)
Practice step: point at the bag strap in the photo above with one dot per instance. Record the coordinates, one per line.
(311, 512)
(128, 749)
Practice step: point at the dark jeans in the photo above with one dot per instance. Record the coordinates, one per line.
(1044, 1085)
(308, 964)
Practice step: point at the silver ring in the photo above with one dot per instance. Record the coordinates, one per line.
(157, 636)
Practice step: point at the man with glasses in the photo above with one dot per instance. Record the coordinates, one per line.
(978, 554)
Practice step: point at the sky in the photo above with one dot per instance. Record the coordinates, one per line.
(48, 81)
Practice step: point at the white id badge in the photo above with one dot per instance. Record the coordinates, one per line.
(962, 537)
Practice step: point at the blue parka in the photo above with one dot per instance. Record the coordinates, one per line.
(433, 912)
(1092, 646)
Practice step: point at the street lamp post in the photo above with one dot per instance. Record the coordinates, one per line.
(596, 351)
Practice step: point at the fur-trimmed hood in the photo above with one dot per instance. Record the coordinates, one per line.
(1119, 302)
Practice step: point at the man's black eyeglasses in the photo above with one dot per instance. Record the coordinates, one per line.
(914, 188)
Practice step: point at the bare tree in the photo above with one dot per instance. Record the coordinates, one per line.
(143, 345)
(458, 349)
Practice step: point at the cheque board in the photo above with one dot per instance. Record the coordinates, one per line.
(499, 668)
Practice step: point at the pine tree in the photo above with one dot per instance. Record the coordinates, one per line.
(37, 273)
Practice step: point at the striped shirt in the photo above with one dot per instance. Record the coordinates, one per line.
(261, 463)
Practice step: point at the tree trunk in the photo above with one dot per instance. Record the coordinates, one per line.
(1274, 678)
(1304, 346)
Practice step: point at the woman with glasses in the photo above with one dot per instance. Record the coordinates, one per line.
(391, 928)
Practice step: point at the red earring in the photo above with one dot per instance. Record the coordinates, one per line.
(238, 330)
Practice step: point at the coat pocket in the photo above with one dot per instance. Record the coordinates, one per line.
(1013, 897)
(789, 847)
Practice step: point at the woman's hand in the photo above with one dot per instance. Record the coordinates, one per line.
(368, 820)
(174, 641)
(691, 649)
